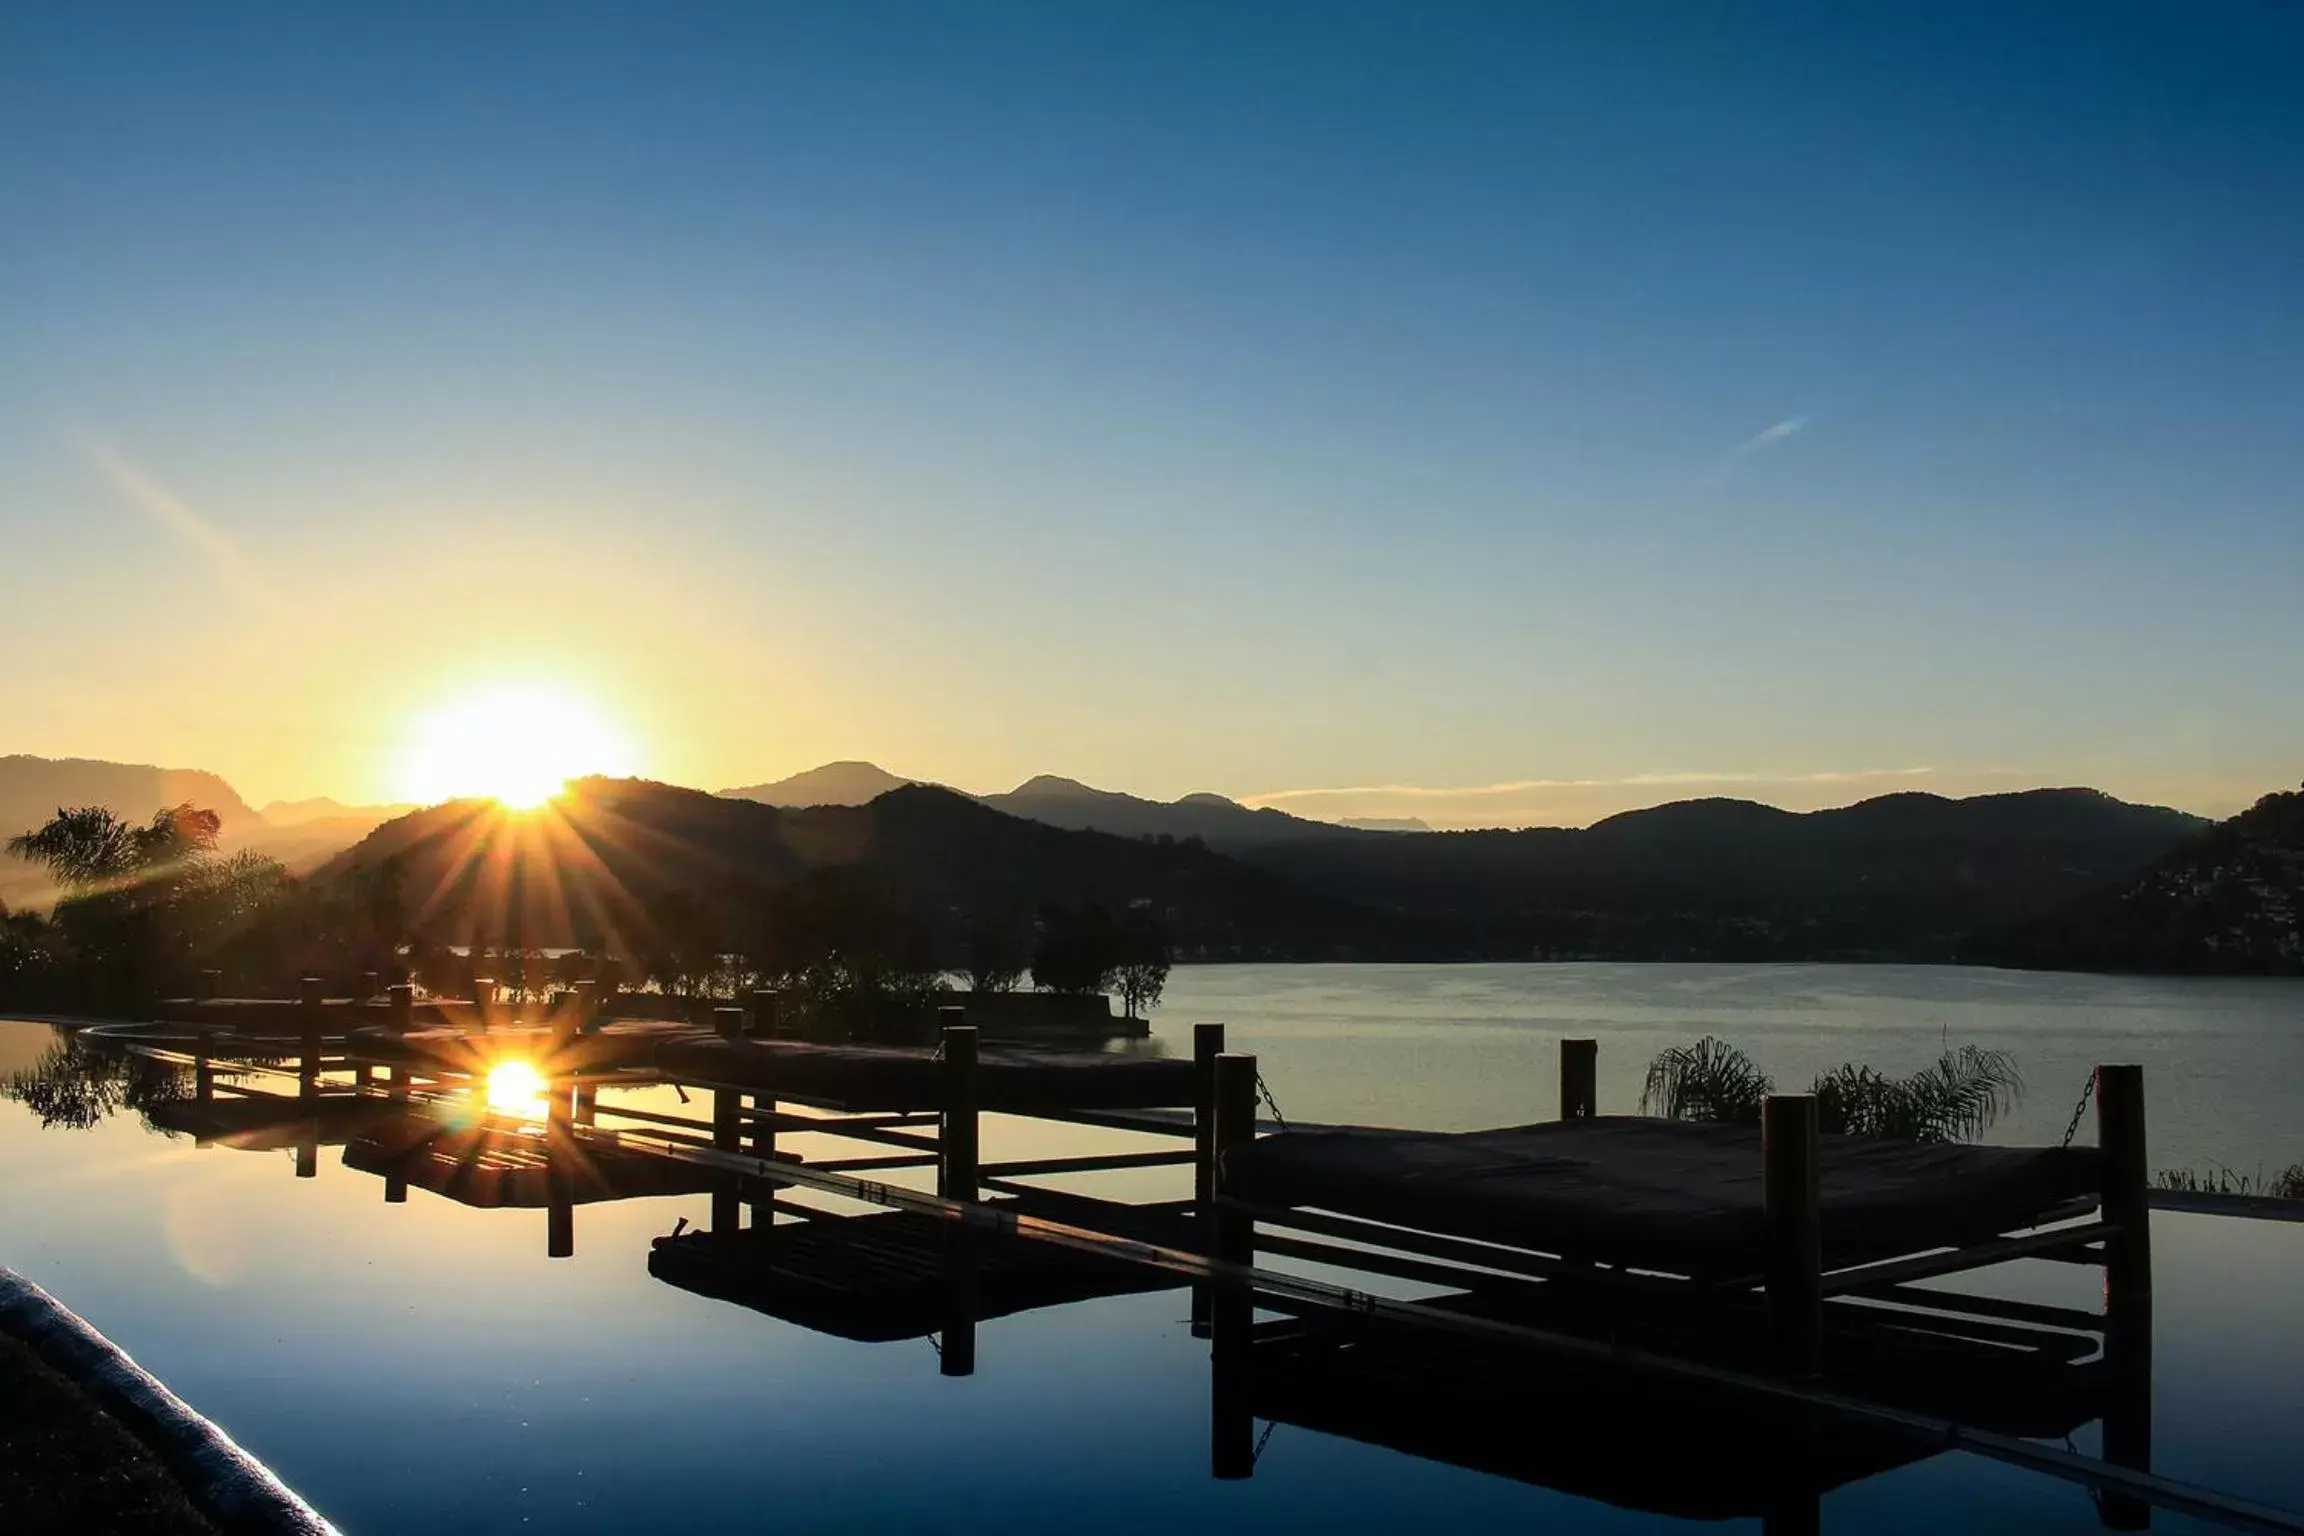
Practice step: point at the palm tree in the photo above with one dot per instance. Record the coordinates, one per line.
(1955, 1099)
(89, 847)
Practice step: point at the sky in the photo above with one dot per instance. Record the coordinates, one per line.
(1495, 414)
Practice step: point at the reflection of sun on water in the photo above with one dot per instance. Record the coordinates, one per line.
(516, 1088)
(518, 744)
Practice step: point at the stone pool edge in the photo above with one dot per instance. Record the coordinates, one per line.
(234, 1489)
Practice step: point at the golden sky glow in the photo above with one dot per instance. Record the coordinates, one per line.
(519, 743)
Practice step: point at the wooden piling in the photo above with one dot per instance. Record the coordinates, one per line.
(204, 1067)
(728, 1023)
(1232, 1306)
(370, 985)
(956, 1142)
(211, 984)
(1207, 1045)
(308, 1011)
(559, 1186)
(727, 1106)
(1579, 1079)
(400, 1007)
(765, 1004)
(1792, 1212)
(2126, 1177)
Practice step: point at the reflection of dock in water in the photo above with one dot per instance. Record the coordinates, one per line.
(888, 1275)
(1657, 1445)
(494, 1167)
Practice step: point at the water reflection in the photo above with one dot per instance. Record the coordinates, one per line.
(1351, 1402)
(73, 1085)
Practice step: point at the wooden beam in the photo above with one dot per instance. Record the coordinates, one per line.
(1923, 1266)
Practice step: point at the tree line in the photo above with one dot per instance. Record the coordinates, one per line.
(145, 908)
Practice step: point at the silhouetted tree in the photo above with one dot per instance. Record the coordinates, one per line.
(1141, 974)
(1077, 953)
(996, 958)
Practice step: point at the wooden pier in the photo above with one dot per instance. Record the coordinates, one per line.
(1825, 1368)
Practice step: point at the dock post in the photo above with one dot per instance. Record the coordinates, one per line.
(2123, 1160)
(764, 1006)
(763, 1136)
(1579, 1079)
(395, 1189)
(956, 1138)
(587, 1102)
(308, 1152)
(308, 1025)
(726, 1106)
(559, 1184)
(1207, 1045)
(1232, 1438)
(1792, 1211)
(204, 1067)
(2126, 1175)
(211, 984)
(370, 985)
(728, 1023)
(484, 1001)
(400, 1007)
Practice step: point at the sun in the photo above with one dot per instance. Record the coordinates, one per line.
(516, 1088)
(518, 744)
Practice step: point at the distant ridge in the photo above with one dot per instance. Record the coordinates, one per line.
(844, 783)
(2229, 901)
(32, 789)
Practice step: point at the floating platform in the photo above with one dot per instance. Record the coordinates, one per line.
(468, 1051)
(1669, 1196)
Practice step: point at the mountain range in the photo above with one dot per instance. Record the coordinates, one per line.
(300, 834)
(2061, 877)
(620, 853)
(1217, 821)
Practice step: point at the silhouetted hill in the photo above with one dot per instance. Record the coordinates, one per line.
(2230, 900)
(1910, 876)
(613, 850)
(848, 783)
(1222, 824)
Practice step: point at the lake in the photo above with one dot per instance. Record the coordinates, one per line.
(425, 1366)
(1461, 1046)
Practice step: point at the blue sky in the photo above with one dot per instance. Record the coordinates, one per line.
(1609, 401)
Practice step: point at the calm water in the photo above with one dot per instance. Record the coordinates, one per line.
(1449, 1047)
(424, 1366)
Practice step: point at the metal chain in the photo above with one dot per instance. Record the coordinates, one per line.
(1261, 1440)
(1265, 1089)
(2086, 1093)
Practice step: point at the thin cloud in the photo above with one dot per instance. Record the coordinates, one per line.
(1759, 442)
(173, 516)
(1634, 781)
